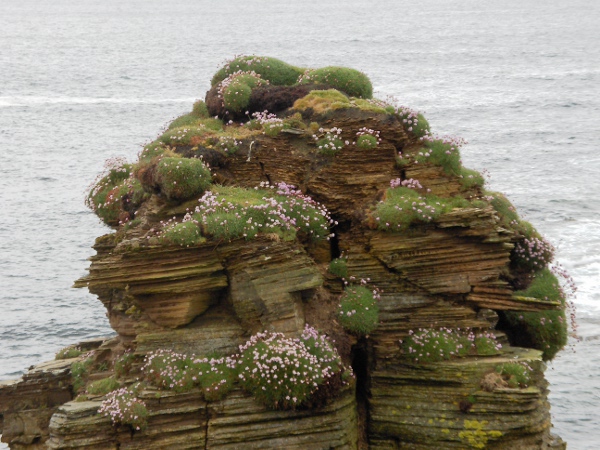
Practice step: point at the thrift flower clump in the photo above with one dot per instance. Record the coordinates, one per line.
(284, 373)
(170, 370)
(124, 408)
(330, 142)
(367, 138)
(431, 345)
(403, 206)
(182, 178)
(229, 212)
(114, 189)
(358, 311)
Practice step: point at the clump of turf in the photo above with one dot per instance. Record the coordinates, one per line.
(358, 311)
(403, 206)
(115, 194)
(545, 330)
(273, 70)
(182, 178)
(350, 81)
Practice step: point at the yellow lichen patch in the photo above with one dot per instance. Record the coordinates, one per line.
(474, 434)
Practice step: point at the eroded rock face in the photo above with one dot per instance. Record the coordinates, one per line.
(452, 271)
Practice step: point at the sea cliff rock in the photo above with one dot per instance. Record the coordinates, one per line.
(334, 211)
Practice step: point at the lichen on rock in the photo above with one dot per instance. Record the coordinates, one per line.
(294, 264)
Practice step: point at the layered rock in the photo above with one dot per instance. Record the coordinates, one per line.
(454, 271)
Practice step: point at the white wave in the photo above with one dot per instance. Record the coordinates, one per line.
(11, 101)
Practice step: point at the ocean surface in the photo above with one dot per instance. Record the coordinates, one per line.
(84, 80)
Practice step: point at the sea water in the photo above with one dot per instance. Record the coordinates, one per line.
(82, 81)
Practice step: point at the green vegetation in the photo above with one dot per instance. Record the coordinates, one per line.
(182, 178)
(367, 142)
(471, 178)
(281, 372)
(331, 142)
(79, 373)
(192, 134)
(113, 191)
(124, 364)
(339, 268)
(515, 374)
(431, 345)
(103, 387)
(273, 70)
(166, 369)
(237, 88)
(185, 234)
(125, 408)
(350, 81)
(285, 373)
(545, 330)
(414, 122)
(321, 101)
(441, 153)
(358, 310)
(68, 353)
(200, 110)
(403, 206)
(232, 212)
(486, 345)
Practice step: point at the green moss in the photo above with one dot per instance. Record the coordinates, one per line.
(545, 330)
(182, 178)
(358, 311)
(350, 81)
(367, 142)
(185, 234)
(103, 387)
(274, 70)
(403, 207)
(68, 353)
